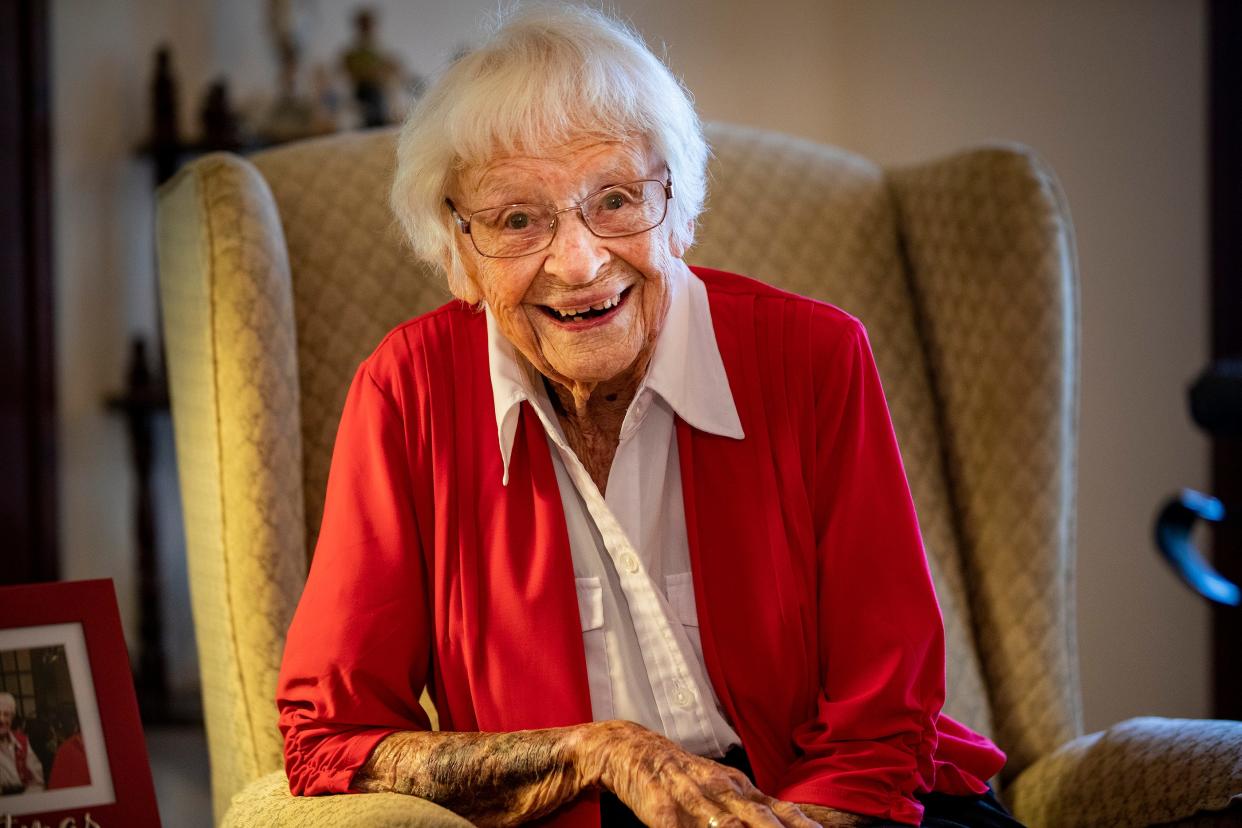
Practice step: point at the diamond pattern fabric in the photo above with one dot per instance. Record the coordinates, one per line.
(1139, 772)
(232, 359)
(991, 257)
(267, 802)
(355, 279)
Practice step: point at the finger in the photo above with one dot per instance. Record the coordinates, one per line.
(665, 814)
(718, 780)
(750, 811)
(790, 814)
(720, 819)
(729, 795)
(699, 791)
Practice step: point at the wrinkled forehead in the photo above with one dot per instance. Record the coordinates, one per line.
(8, 705)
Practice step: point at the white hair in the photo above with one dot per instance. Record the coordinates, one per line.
(548, 73)
(12, 700)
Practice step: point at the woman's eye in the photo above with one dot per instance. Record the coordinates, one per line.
(614, 200)
(517, 221)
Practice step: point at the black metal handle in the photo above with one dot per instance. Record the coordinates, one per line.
(1173, 528)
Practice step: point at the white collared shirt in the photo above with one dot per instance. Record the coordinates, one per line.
(630, 551)
(10, 774)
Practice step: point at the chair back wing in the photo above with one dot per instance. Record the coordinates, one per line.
(821, 222)
(991, 252)
(232, 362)
(354, 278)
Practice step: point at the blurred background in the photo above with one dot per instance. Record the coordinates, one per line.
(1114, 94)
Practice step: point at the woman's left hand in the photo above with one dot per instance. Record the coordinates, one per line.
(667, 787)
(832, 818)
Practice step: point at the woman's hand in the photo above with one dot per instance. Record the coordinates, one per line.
(492, 779)
(667, 787)
(832, 818)
(505, 779)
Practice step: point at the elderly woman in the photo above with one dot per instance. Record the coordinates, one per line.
(640, 530)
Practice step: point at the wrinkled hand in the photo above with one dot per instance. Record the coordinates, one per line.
(666, 787)
(832, 818)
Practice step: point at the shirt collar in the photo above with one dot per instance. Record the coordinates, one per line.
(686, 369)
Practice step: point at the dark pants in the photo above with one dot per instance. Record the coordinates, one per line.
(940, 810)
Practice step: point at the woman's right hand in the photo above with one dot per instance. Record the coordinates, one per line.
(667, 787)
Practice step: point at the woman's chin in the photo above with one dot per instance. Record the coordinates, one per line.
(592, 366)
(588, 376)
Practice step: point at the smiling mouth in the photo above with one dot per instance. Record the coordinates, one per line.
(588, 313)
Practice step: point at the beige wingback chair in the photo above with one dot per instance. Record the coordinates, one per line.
(280, 273)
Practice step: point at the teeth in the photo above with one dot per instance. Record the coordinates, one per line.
(604, 305)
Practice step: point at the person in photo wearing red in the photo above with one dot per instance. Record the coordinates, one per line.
(20, 769)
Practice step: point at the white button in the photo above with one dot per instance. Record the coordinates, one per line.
(683, 697)
(630, 561)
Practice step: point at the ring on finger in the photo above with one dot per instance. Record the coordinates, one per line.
(713, 822)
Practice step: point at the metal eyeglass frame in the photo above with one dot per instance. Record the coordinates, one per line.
(463, 224)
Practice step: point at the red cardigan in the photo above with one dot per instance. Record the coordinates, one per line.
(820, 629)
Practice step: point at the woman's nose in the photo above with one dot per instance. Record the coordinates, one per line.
(576, 254)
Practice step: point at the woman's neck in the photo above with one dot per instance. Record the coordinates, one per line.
(593, 426)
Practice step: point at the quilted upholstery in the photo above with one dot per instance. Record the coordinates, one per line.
(991, 257)
(233, 373)
(267, 802)
(355, 280)
(280, 274)
(1139, 772)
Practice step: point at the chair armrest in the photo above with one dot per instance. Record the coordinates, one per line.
(1138, 772)
(231, 339)
(267, 803)
(990, 247)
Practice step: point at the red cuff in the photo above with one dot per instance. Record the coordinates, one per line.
(327, 764)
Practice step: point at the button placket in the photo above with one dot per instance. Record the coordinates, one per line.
(663, 656)
(678, 707)
(682, 695)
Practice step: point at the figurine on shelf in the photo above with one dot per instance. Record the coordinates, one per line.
(331, 113)
(291, 116)
(165, 130)
(219, 121)
(165, 141)
(370, 70)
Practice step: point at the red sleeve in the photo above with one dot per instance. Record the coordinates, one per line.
(356, 657)
(869, 746)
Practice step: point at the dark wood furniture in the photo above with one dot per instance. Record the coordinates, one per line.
(28, 499)
(1225, 210)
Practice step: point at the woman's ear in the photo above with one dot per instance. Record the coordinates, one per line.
(679, 243)
(473, 295)
(461, 282)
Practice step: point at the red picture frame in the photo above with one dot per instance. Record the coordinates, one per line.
(114, 763)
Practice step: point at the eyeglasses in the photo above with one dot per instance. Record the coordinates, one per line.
(513, 230)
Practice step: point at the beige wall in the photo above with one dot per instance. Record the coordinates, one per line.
(1111, 93)
(104, 258)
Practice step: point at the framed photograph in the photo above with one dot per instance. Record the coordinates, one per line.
(72, 752)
